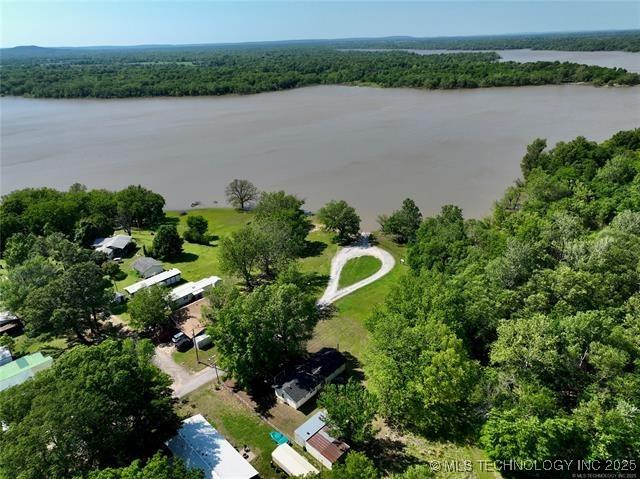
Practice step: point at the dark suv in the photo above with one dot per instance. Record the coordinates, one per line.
(181, 341)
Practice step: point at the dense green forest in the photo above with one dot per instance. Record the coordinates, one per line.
(585, 41)
(80, 214)
(628, 40)
(186, 73)
(523, 329)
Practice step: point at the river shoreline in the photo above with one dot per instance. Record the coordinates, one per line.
(372, 147)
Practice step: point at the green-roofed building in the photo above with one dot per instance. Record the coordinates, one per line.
(18, 371)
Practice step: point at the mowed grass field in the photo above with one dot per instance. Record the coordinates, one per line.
(197, 261)
(358, 269)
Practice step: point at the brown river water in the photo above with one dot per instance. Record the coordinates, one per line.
(371, 147)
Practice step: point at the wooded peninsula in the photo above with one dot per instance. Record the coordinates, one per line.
(254, 68)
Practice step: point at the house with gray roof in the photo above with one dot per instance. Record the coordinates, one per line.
(300, 384)
(147, 267)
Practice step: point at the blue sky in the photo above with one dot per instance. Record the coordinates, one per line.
(88, 22)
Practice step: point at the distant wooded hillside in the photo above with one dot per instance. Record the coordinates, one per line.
(206, 71)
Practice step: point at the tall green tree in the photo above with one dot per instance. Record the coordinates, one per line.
(440, 241)
(351, 410)
(158, 467)
(534, 157)
(257, 333)
(342, 219)
(99, 406)
(140, 207)
(150, 309)
(239, 254)
(356, 466)
(58, 290)
(197, 227)
(280, 211)
(421, 374)
(403, 224)
(167, 243)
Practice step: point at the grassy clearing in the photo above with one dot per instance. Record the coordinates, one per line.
(236, 423)
(197, 261)
(358, 269)
(449, 456)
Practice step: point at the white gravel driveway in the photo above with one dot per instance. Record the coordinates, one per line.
(332, 293)
(184, 381)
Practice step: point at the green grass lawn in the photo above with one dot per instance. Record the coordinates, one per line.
(197, 261)
(319, 261)
(448, 453)
(189, 360)
(236, 423)
(358, 269)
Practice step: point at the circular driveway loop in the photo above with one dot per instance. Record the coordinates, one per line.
(332, 293)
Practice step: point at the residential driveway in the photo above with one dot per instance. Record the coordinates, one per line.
(332, 293)
(184, 382)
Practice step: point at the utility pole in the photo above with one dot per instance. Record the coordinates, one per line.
(215, 367)
(195, 345)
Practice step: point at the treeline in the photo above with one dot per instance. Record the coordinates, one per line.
(626, 40)
(586, 41)
(245, 71)
(521, 329)
(80, 214)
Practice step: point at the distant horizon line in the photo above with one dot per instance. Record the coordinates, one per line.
(309, 40)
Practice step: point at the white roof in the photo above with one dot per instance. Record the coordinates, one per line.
(7, 317)
(291, 462)
(158, 278)
(5, 353)
(117, 241)
(193, 287)
(202, 447)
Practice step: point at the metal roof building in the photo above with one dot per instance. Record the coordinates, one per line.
(113, 245)
(18, 371)
(188, 292)
(201, 446)
(5, 355)
(147, 267)
(165, 278)
(314, 436)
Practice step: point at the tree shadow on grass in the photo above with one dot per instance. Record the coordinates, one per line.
(262, 396)
(170, 220)
(353, 369)
(186, 258)
(313, 248)
(390, 455)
